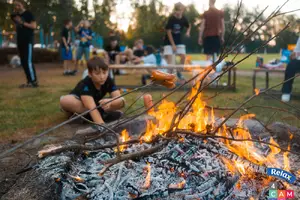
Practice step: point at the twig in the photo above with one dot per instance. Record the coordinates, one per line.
(136, 155)
(252, 107)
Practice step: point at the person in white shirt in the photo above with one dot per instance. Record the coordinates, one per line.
(291, 70)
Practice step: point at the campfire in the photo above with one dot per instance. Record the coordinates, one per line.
(177, 157)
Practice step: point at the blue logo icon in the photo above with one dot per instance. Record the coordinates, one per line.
(279, 173)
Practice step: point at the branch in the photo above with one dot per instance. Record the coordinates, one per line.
(136, 155)
(78, 147)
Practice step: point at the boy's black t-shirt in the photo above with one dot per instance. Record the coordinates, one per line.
(24, 34)
(139, 53)
(112, 52)
(176, 25)
(86, 87)
(65, 33)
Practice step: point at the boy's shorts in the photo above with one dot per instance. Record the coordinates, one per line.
(81, 51)
(66, 55)
(212, 45)
(169, 51)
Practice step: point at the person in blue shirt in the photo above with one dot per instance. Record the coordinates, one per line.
(86, 35)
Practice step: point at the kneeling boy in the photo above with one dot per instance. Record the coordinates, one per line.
(90, 92)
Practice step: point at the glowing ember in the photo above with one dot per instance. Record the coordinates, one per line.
(180, 185)
(77, 179)
(148, 177)
(124, 138)
(257, 91)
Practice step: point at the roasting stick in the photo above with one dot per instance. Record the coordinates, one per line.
(6, 153)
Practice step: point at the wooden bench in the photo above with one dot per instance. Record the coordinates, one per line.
(267, 76)
(231, 80)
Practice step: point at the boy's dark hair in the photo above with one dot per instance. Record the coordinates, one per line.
(139, 41)
(150, 49)
(22, 2)
(96, 63)
(178, 6)
(67, 21)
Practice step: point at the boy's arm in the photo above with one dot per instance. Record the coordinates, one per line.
(188, 31)
(77, 28)
(65, 43)
(202, 27)
(89, 103)
(114, 105)
(222, 30)
(170, 36)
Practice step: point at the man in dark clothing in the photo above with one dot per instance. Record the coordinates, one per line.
(25, 25)
(212, 31)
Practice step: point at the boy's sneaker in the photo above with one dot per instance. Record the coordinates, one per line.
(286, 98)
(29, 85)
(66, 73)
(73, 73)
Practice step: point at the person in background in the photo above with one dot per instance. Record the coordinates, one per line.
(212, 31)
(86, 35)
(292, 68)
(90, 93)
(66, 50)
(129, 55)
(173, 44)
(25, 24)
(138, 49)
(148, 59)
(112, 49)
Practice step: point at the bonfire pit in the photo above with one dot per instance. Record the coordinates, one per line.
(150, 163)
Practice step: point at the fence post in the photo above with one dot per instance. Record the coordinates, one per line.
(47, 40)
(41, 36)
(51, 36)
(1, 39)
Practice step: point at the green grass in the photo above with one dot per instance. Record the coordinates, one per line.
(248, 64)
(29, 111)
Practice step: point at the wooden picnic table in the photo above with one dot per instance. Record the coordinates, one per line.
(267, 76)
(231, 81)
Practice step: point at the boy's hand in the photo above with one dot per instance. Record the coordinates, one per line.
(174, 48)
(18, 19)
(105, 105)
(200, 41)
(188, 34)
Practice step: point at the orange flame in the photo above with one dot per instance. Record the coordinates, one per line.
(229, 165)
(240, 167)
(147, 183)
(245, 117)
(124, 138)
(274, 152)
(257, 91)
(180, 185)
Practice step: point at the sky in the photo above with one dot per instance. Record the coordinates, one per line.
(124, 9)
